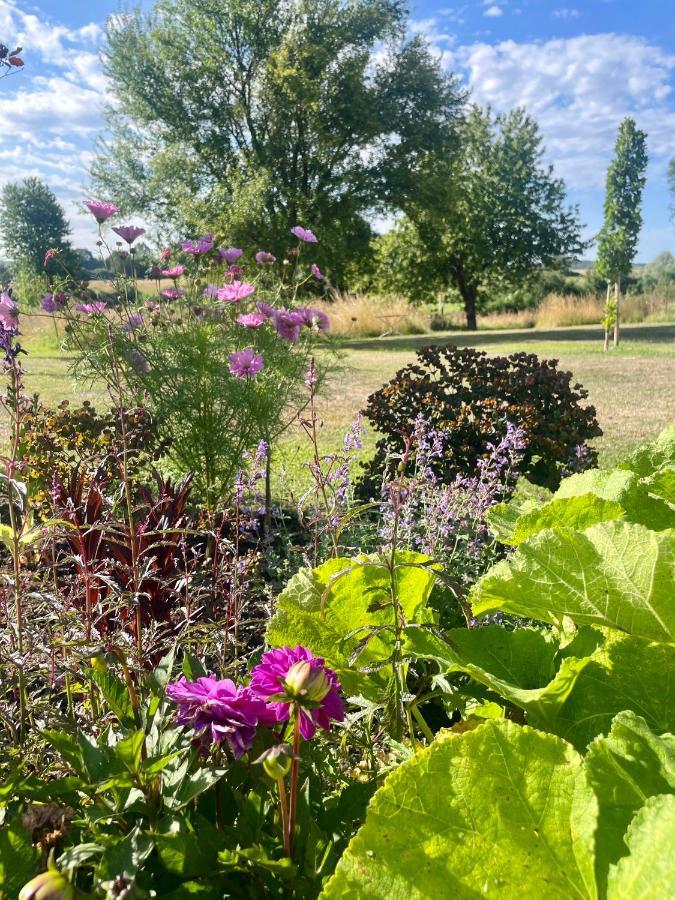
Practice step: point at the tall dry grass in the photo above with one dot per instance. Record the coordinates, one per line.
(370, 315)
(557, 311)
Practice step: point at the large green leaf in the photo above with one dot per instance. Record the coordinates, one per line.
(648, 872)
(614, 574)
(18, 858)
(525, 667)
(330, 609)
(624, 673)
(512, 525)
(648, 459)
(499, 811)
(625, 768)
(625, 488)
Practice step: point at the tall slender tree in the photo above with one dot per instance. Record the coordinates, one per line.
(620, 232)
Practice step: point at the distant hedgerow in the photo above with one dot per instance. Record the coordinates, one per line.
(470, 397)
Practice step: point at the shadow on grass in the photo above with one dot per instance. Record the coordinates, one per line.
(652, 334)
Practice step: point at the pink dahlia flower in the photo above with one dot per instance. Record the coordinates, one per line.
(101, 210)
(246, 363)
(220, 710)
(287, 676)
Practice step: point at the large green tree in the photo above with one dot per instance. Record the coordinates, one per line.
(618, 239)
(491, 217)
(31, 222)
(251, 116)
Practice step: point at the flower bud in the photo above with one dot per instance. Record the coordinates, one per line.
(98, 661)
(49, 885)
(277, 761)
(303, 681)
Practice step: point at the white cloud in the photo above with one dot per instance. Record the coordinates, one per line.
(493, 11)
(578, 94)
(566, 13)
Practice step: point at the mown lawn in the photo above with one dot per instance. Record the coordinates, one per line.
(633, 388)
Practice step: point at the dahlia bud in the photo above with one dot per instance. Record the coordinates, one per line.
(305, 682)
(49, 885)
(277, 761)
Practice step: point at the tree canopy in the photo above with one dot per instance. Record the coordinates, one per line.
(31, 222)
(251, 116)
(491, 217)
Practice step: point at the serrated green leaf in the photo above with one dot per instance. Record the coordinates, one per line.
(651, 457)
(331, 613)
(614, 574)
(577, 513)
(525, 666)
(648, 872)
(625, 488)
(624, 768)
(499, 811)
(662, 484)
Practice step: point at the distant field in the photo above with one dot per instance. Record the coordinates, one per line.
(633, 389)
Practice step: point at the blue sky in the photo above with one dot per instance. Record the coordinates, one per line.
(578, 66)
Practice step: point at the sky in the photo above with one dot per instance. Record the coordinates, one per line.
(578, 66)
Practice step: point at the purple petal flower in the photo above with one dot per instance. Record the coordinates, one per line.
(211, 291)
(313, 318)
(200, 246)
(154, 272)
(287, 324)
(52, 303)
(92, 309)
(251, 320)
(9, 312)
(271, 678)
(173, 293)
(220, 711)
(265, 309)
(304, 234)
(262, 257)
(135, 321)
(246, 363)
(138, 361)
(231, 254)
(316, 272)
(101, 210)
(235, 291)
(174, 272)
(128, 233)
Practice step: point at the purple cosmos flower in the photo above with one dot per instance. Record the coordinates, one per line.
(246, 363)
(262, 257)
(220, 710)
(234, 272)
(313, 318)
(101, 210)
(173, 293)
(316, 272)
(200, 246)
(251, 320)
(138, 361)
(230, 255)
(304, 234)
(235, 291)
(154, 272)
(128, 233)
(264, 308)
(287, 324)
(52, 303)
(303, 679)
(211, 291)
(151, 305)
(92, 309)
(135, 321)
(174, 272)
(9, 312)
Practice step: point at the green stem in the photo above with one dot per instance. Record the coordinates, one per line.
(295, 768)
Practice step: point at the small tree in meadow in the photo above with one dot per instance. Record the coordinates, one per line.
(623, 217)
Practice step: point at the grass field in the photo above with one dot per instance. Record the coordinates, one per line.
(633, 388)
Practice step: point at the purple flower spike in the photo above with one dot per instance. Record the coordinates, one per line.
(304, 234)
(220, 711)
(303, 679)
(128, 233)
(246, 363)
(101, 210)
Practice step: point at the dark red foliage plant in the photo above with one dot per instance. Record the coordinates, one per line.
(470, 396)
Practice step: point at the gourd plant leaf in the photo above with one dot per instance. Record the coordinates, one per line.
(648, 872)
(614, 574)
(662, 484)
(649, 458)
(624, 672)
(512, 525)
(330, 609)
(500, 810)
(625, 767)
(525, 667)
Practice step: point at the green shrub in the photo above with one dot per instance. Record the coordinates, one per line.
(469, 397)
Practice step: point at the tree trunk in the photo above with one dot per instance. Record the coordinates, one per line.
(617, 300)
(469, 293)
(606, 344)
